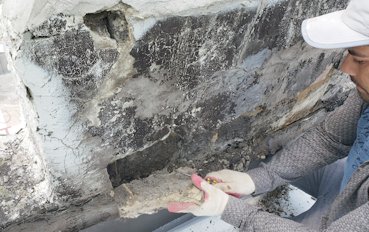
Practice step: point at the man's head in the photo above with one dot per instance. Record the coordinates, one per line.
(356, 64)
(345, 29)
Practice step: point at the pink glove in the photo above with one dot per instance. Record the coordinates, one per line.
(232, 182)
(214, 200)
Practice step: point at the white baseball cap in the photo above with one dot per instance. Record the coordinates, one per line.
(340, 29)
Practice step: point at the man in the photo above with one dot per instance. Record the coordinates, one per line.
(341, 187)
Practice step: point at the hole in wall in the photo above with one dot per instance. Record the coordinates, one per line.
(111, 24)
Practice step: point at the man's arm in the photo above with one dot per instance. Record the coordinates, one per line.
(319, 146)
(250, 218)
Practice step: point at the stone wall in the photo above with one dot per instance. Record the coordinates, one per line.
(125, 89)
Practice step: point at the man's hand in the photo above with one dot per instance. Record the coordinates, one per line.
(232, 182)
(213, 203)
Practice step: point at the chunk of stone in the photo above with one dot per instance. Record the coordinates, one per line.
(155, 192)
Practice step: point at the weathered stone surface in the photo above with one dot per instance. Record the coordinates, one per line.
(278, 25)
(75, 218)
(72, 55)
(182, 51)
(25, 188)
(25, 184)
(205, 91)
(54, 26)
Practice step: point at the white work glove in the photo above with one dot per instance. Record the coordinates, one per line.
(213, 203)
(231, 182)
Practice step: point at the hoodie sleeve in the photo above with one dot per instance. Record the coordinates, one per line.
(319, 146)
(252, 219)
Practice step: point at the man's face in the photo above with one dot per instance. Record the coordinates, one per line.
(356, 64)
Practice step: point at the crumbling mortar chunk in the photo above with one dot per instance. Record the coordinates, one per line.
(134, 199)
(270, 201)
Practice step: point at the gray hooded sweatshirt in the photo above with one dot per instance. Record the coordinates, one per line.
(320, 146)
